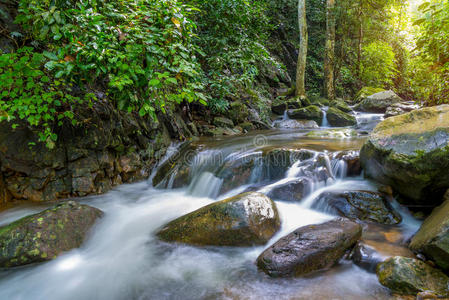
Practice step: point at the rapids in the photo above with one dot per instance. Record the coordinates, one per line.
(122, 258)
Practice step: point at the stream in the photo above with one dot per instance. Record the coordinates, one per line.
(122, 258)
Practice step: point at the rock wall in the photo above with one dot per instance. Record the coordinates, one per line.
(108, 149)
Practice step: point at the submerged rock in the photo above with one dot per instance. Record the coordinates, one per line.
(410, 153)
(310, 112)
(310, 248)
(295, 124)
(408, 276)
(379, 102)
(293, 190)
(244, 220)
(333, 133)
(432, 239)
(368, 254)
(43, 236)
(338, 118)
(359, 205)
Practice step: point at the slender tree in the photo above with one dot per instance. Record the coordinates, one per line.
(329, 60)
(302, 55)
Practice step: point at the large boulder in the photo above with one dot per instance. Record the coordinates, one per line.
(359, 205)
(310, 112)
(45, 235)
(244, 220)
(366, 92)
(310, 248)
(338, 118)
(432, 239)
(410, 153)
(408, 276)
(379, 102)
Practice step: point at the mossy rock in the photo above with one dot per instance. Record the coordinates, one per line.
(238, 112)
(365, 92)
(410, 153)
(310, 112)
(338, 118)
(432, 239)
(360, 205)
(43, 236)
(318, 101)
(244, 220)
(408, 276)
(341, 105)
(223, 122)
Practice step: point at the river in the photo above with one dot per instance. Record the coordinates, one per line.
(122, 258)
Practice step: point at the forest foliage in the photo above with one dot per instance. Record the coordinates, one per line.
(146, 56)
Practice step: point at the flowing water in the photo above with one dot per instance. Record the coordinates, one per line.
(122, 258)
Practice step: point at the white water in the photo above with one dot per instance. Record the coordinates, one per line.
(122, 259)
(325, 123)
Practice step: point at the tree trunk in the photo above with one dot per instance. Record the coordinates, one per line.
(360, 42)
(302, 55)
(329, 59)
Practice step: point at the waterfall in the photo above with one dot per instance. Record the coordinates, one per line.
(325, 123)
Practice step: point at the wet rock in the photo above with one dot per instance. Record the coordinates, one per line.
(352, 161)
(359, 205)
(408, 276)
(410, 153)
(310, 248)
(293, 190)
(246, 126)
(338, 118)
(244, 220)
(333, 133)
(340, 105)
(43, 236)
(277, 161)
(236, 172)
(379, 102)
(296, 124)
(311, 112)
(432, 239)
(223, 122)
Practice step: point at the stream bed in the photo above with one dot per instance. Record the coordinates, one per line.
(122, 258)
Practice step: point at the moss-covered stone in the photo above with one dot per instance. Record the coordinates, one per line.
(432, 239)
(408, 276)
(223, 122)
(43, 236)
(341, 105)
(244, 220)
(410, 153)
(338, 118)
(310, 112)
(238, 112)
